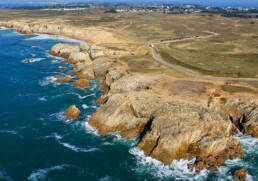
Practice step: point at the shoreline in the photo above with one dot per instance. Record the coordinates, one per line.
(113, 88)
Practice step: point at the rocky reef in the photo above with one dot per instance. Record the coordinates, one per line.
(241, 174)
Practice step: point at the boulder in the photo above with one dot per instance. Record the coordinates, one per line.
(241, 174)
(72, 112)
(81, 83)
(66, 78)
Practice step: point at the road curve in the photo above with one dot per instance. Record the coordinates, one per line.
(195, 74)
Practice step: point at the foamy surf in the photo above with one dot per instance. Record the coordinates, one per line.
(177, 170)
(32, 60)
(44, 99)
(72, 147)
(41, 174)
(48, 80)
(55, 37)
(89, 129)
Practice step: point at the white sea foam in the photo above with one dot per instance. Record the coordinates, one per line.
(54, 37)
(55, 57)
(32, 60)
(59, 116)
(43, 99)
(41, 174)
(70, 146)
(11, 132)
(178, 169)
(250, 144)
(89, 128)
(48, 80)
(84, 106)
(3, 28)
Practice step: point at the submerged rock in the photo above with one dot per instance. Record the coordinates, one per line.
(241, 174)
(72, 112)
(81, 83)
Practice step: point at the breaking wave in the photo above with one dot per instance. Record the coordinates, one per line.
(32, 60)
(41, 174)
(54, 37)
(178, 169)
(48, 80)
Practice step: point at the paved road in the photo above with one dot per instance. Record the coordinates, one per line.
(195, 74)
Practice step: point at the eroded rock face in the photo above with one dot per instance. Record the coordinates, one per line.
(241, 174)
(84, 70)
(64, 50)
(133, 83)
(102, 65)
(96, 51)
(72, 113)
(169, 129)
(76, 57)
(243, 112)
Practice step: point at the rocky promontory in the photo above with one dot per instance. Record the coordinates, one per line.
(171, 122)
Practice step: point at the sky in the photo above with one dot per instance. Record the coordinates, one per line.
(233, 3)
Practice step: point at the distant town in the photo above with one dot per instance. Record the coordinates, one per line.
(151, 8)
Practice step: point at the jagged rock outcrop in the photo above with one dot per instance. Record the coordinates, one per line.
(72, 113)
(243, 112)
(102, 65)
(64, 50)
(76, 57)
(169, 129)
(241, 174)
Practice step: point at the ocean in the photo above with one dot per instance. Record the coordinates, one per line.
(37, 144)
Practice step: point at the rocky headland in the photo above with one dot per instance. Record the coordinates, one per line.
(172, 118)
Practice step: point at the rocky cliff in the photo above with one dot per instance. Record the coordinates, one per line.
(93, 35)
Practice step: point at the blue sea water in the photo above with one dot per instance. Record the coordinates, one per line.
(37, 144)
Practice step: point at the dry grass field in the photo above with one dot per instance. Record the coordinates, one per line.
(232, 53)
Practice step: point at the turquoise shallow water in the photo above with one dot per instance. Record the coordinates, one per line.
(37, 144)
